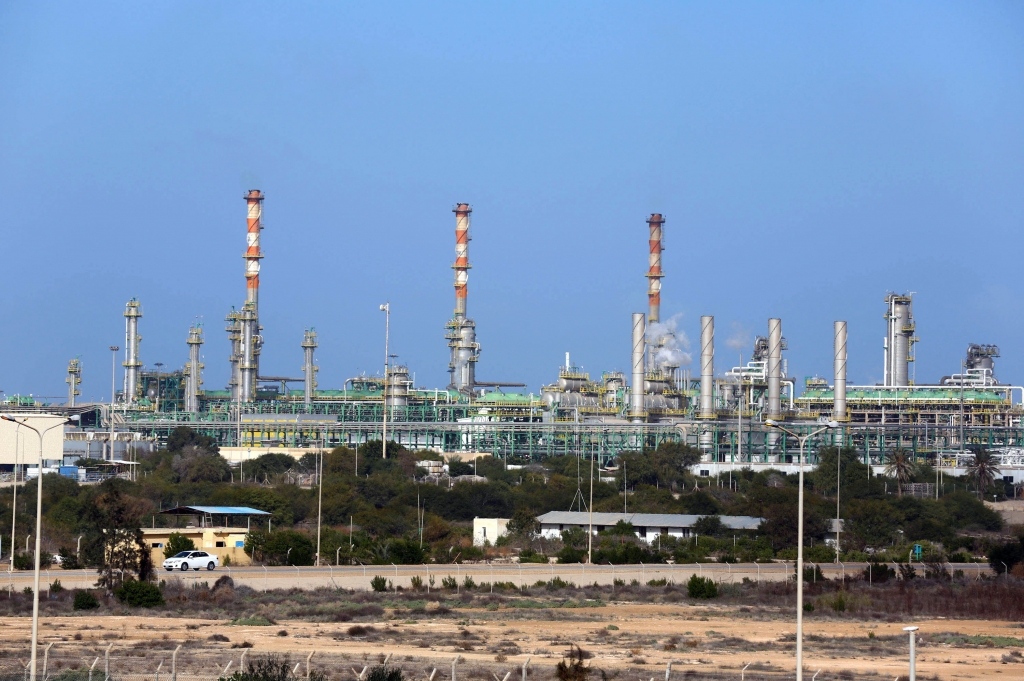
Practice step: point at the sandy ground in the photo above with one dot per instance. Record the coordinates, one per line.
(697, 637)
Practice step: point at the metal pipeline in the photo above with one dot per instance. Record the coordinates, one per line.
(637, 396)
(707, 367)
(654, 273)
(839, 385)
(774, 368)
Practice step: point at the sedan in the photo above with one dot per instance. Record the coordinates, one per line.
(191, 560)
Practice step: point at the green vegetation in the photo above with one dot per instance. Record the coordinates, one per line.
(176, 543)
(85, 600)
(139, 594)
(701, 587)
(380, 498)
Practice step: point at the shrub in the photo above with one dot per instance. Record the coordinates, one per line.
(878, 572)
(270, 668)
(657, 582)
(56, 587)
(812, 573)
(468, 583)
(701, 587)
(176, 543)
(379, 583)
(139, 594)
(572, 667)
(416, 582)
(84, 600)
(907, 571)
(68, 559)
(449, 582)
(382, 673)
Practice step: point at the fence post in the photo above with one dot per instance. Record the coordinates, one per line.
(158, 668)
(46, 658)
(174, 663)
(226, 668)
(94, 662)
(668, 671)
(454, 662)
(264, 579)
(525, 665)
(241, 662)
(308, 658)
(106, 663)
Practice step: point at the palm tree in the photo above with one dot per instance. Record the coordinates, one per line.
(982, 470)
(901, 467)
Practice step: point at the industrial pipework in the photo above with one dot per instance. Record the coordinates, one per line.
(654, 273)
(707, 367)
(234, 329)
(839, 386)
(309, 369)
(131, 364)
(73, 380)
(193, 371)
(899, 339)
(637, 395)
(774, 368)
(461, 331)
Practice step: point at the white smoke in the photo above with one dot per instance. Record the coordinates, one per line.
(669, 342)
(740, 338)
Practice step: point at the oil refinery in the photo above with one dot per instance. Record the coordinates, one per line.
(723, 411)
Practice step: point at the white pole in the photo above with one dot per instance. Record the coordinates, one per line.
(386, 308)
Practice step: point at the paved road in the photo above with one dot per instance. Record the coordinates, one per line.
(359, 577)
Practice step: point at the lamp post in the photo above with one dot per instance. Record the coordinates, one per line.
(39, 531)
(386, 309)
(800, 542)
(913, 652)
(113, 394)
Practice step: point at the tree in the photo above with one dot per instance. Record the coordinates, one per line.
(176, 543)
(523, 524)
(194, 464)
(982, 469)
(268, 465)
(853, 474)
(115, 535)
(901, 467)
(708, 526)
(183, 436)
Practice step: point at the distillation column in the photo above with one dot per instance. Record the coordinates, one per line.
(707, 367)
(774, 369)
(234, 329)
(839, 384)
(460, 330)
(131, 364)
(73, 380)
(654, 273)
(193, 372)
(637, 387)
(251, 340)
(309, 369)
(899, 339)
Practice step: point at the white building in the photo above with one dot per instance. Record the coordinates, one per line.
(488, 530)
(647, 526)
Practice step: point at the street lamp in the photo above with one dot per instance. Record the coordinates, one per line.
(386, 309)
(913, 652)
(39, 529)
(800, 541)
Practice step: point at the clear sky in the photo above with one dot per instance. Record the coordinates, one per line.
(808, 158)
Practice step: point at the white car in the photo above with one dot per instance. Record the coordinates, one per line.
(191, 560)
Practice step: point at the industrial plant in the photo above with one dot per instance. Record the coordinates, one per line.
(729, 413)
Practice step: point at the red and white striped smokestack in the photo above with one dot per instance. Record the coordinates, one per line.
(254, 200)
(654, 274)
(461, 266)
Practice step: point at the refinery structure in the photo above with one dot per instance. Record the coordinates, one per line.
(723, 412)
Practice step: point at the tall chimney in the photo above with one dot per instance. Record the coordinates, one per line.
(707, 367)
(461, 331)
(774, 368)
(839, 385)
(131, 364)
(461, 266)
(654, 273)
(309, 369)
(639, 330)
(251, 341)
(193, 378)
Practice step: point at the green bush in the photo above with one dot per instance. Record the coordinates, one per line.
(449, 582)
(68, 559)
(84, 600)
(657, 582)
(382, 673)
(272, 668)
(701, 587)
(139, 594)
(176, 543)
(56, 587)
(379, 583)
(878, 572)
(468, 583)
(416, 582)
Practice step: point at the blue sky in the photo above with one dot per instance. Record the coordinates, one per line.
(808, 158)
